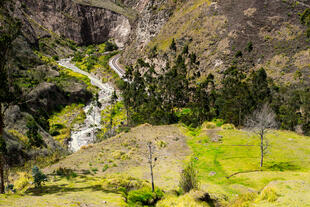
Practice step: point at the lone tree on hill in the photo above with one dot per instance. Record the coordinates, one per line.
(260, 122)
(151, 162)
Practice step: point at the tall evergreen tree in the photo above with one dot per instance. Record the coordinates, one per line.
(235, 100)
(113, 100)
(259, 87)
(204, 99)
(173, 45)
(8, 33)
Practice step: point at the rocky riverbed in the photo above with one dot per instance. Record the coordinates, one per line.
(84, 134)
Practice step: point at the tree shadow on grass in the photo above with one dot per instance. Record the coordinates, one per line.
(282, 166)
(60, 189)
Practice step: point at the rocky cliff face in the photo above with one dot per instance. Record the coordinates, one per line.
(81, 23)
(153, 15)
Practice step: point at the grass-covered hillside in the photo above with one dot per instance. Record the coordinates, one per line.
(113, 172)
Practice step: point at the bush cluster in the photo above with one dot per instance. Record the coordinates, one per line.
(144, 196)
(189, 178)
(38, 176)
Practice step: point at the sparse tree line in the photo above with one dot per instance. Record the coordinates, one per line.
(179, 93)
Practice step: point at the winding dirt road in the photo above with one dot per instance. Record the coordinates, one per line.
(113, 63)
(94, 81)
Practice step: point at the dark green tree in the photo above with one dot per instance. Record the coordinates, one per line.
(260, 90)
(9, 31)
(173, 45)
(113, 100)
(304, 110)
(35, 139)
(235, 100)
(185, 49)
(286, 102)
(203, 103)
(109, 46)
(38, 176)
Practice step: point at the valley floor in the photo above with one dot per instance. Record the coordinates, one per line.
(100, 170)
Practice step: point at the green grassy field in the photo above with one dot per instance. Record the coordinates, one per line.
(286, 163)
(283, 181)
(60, 191)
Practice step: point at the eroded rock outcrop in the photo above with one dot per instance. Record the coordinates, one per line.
(81, 23)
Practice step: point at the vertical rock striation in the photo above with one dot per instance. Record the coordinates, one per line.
(81, 23)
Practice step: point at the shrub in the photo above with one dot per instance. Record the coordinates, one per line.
(173, 45)
(55, 57)
(189, 178)
(54, 132)
(105, 167)
(208, 125)
(183, 200)
(185, 49)
(244, 200)
(84, 147)
(38, 176)
(218, 122)
(305, 17)
(228, 126)
(308, 32)
(249, 47)
(144, 196)
(66, 172)
(109, 46)
(94, 170)
(142, 63)
(238, 54)
(268, 194)
(188, 117)
(72, 45)
(121, 183)
(161, 144)
(124, 129)
(35, 138)
(118, 154)
(23, 182)
(78, 57)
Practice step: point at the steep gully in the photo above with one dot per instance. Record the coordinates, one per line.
(85, 133)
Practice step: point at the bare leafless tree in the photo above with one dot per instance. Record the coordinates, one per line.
(151, 162)
(260, 122)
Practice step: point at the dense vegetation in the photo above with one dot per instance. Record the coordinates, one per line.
(180, 93)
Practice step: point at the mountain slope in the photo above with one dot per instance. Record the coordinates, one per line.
(268, 34)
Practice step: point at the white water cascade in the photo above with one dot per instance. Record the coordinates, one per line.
(85, 134)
